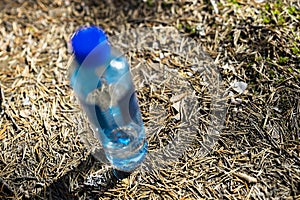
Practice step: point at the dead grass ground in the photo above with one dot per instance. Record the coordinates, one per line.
(257, 154)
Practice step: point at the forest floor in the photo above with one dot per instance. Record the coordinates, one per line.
(236, 137)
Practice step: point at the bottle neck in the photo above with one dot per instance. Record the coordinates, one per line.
(99, 56)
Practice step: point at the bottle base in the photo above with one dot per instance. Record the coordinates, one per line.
(129, 163)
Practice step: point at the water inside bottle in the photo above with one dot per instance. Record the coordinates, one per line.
(113, 110)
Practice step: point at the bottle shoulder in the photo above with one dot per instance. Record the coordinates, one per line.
(115, 73)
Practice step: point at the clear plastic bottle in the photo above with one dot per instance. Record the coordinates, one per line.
(101, 79)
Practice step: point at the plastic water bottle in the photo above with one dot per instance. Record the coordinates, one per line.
(102, 82)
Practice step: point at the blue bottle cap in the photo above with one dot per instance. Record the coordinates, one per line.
(90, 46)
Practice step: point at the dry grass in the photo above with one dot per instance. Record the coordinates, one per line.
(43, 154)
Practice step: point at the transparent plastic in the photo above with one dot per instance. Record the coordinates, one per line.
(103, 84)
